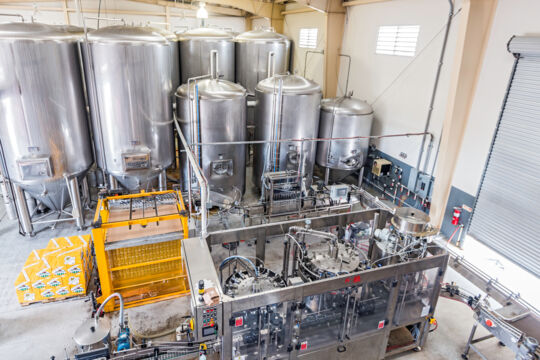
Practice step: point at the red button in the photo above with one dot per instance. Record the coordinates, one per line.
(356, 278)
(303, 345)
(239, 321)
(489, 323)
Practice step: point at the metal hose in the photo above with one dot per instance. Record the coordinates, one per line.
(121, 312)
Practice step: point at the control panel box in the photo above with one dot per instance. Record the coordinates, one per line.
(206, 296)
(207, 321)
(339, 192)
(381, 167)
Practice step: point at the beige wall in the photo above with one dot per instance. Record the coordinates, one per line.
(181, 19)
(261, 23)
(512, 17)
(398, 87)
(315, 62)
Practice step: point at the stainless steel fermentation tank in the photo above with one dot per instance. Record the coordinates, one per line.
(253, 51)
(214, 110)
(256, 52)
(45, 139)
(195, 48)
(132, 73)
(344, 117)
(287, 108)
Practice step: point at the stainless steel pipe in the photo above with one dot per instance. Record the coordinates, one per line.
(203, 183)
(24, 215)
(76, 207)
(8, 201)
(308, 139)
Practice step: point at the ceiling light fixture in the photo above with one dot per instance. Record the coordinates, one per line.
(201, 11)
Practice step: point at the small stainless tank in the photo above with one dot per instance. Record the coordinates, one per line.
(132, 73)
(43, 126)
(221, 117)
(344, 117)
(253, 49)
(287, 108)
(195, 48)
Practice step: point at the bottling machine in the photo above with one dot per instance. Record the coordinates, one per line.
(330, 295)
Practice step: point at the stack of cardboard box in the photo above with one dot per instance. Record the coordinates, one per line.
(63, 269)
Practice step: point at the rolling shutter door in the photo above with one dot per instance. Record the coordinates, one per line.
(506, 214)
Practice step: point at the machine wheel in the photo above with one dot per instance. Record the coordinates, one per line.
(464, 356)
(417, 349)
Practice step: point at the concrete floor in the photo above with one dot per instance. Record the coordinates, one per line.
(43, 330)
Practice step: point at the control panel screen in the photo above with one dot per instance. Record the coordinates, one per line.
(208, 331)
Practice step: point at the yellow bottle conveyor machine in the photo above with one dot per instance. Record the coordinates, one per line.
(137, 240)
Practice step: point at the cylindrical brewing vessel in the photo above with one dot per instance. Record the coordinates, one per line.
(254, 50)
(344, 117)
(44, 128)
(131, 75)
(195, 48)
(214, 110)
(287, 108)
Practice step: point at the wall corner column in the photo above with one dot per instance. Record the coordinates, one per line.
(277, 20)
(473, 35)
(335, 26)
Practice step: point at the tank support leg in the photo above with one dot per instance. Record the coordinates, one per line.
(76, 206)
(8, 201)
(86, 191)
(326, 176)
(24, 214)
(113, 183)
(361, 176)
(162, 180)
(30, 204)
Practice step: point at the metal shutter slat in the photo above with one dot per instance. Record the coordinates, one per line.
(506, 214)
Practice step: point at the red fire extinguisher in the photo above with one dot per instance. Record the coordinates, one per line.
(456, 215)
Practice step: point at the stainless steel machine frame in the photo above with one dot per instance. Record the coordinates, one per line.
(372, 343)
(513, 325)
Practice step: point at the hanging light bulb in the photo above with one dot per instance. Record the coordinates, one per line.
(201, 11)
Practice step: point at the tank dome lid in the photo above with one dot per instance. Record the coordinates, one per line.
(37, 32)
(130, 34)
(262, 35)
(70, 29)
(205, 33)
(213, 89)
(346, 106)
(292, 84)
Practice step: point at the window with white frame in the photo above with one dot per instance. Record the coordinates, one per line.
(308, 38)
(397, 40)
